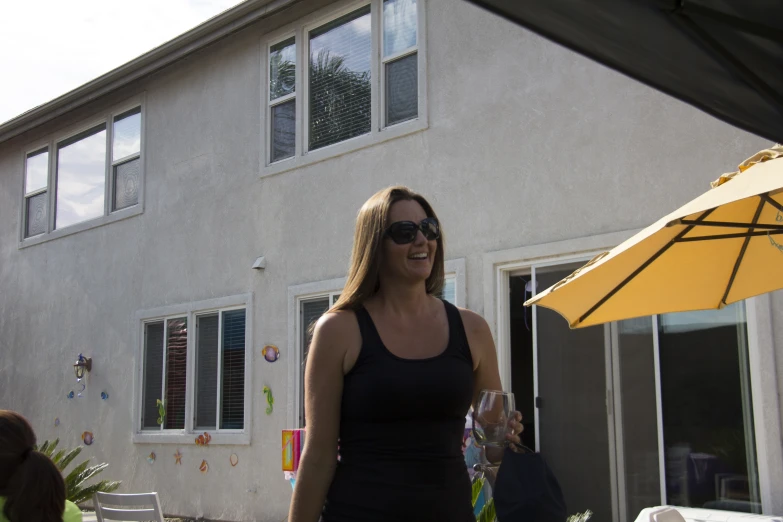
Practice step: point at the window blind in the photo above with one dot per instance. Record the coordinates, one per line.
(153, 374)
(233, 371)
(176, 373)
(339, 79)
(206, 371)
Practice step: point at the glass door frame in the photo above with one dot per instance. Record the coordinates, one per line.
(500, 265)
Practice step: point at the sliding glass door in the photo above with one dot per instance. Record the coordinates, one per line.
(643, 412)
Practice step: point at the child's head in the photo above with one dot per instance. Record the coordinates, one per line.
(30, 482)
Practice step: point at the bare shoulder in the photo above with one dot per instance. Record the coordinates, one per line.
(336, 336)
(474, 323)
(335, 324)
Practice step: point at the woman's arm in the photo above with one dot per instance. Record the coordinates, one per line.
(324, 373)
(486, 375)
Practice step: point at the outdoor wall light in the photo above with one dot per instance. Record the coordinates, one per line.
(81, 365)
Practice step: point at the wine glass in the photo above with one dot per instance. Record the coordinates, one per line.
(491, 417)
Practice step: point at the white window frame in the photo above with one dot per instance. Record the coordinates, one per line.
(454, 268)
(51, 143)
(379, 132)
(498, 267)
(191, 311)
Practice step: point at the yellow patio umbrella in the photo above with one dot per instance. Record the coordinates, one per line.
(722, 247)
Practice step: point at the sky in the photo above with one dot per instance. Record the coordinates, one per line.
(49, 47)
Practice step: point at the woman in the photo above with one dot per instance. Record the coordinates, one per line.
(31, 486)
(391, 373)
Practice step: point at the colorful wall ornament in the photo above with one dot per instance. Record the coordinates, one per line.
(203, 440)
(233, 459)
(271, 353)
(178, 458)
(293, 443)
(204, 467)
(269, 399)
(88, 438)
(151, 457)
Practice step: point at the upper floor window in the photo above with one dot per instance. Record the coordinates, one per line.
(91, 174)
(336, 84)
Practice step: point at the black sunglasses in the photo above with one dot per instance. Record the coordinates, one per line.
(404, 232)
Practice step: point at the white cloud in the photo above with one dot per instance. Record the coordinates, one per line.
(49, 47)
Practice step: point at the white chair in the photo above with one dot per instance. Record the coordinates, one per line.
(134, 507)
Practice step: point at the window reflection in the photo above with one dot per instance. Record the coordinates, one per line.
(81, 177)
(707, 410)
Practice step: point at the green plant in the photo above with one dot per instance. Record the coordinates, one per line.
(487, 513)
(161, 411)
(580, 517)
(76, 489)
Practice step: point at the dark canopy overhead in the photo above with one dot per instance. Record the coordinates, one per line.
(723, 56)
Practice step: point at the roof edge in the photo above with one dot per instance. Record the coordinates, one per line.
(202, 35)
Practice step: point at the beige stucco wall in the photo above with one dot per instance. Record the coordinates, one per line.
(527, 143)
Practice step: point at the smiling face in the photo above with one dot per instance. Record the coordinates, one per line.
(412, 262)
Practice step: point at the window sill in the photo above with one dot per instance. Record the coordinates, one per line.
(338, 149)
(84, 225)
(181, 438)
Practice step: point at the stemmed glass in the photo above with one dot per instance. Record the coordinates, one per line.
(491, 418)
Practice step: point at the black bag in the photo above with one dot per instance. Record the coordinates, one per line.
(526, 490)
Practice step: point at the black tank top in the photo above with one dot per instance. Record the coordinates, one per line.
(401, 428)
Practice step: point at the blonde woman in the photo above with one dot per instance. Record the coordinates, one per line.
(391, 373)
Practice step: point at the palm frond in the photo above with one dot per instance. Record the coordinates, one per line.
(478, 485)
(487, 513)
(68, 458)
(75, 481)
(86, 493)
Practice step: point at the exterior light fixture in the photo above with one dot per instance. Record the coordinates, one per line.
(81, 365)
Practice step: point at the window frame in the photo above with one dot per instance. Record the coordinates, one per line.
(454, 268)
(191, 311)
(379, 132)
(52, 142)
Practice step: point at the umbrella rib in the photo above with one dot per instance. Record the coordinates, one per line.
(738, 262)
(763, 31)
(729, 224)
(767, 198)
(644, 265)
(728, 236)
(728, 60)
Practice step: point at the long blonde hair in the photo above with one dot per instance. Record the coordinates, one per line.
(371, 224)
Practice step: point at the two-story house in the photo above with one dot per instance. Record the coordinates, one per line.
(134, 208)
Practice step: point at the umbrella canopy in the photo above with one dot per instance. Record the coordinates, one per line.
(722, 56)
(722, 247)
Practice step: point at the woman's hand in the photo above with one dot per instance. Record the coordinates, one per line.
(515, 431)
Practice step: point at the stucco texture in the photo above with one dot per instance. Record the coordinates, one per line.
(527, 143)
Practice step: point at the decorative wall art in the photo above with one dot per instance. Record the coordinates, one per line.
(293, 443)
(88, 438)
(70, 395)
(233, 459)
(178, 458)
(204, 467)
(271, 353)
(270, 400)
(203, 440)
(56, 421)
(151, 457)
(104, 395)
